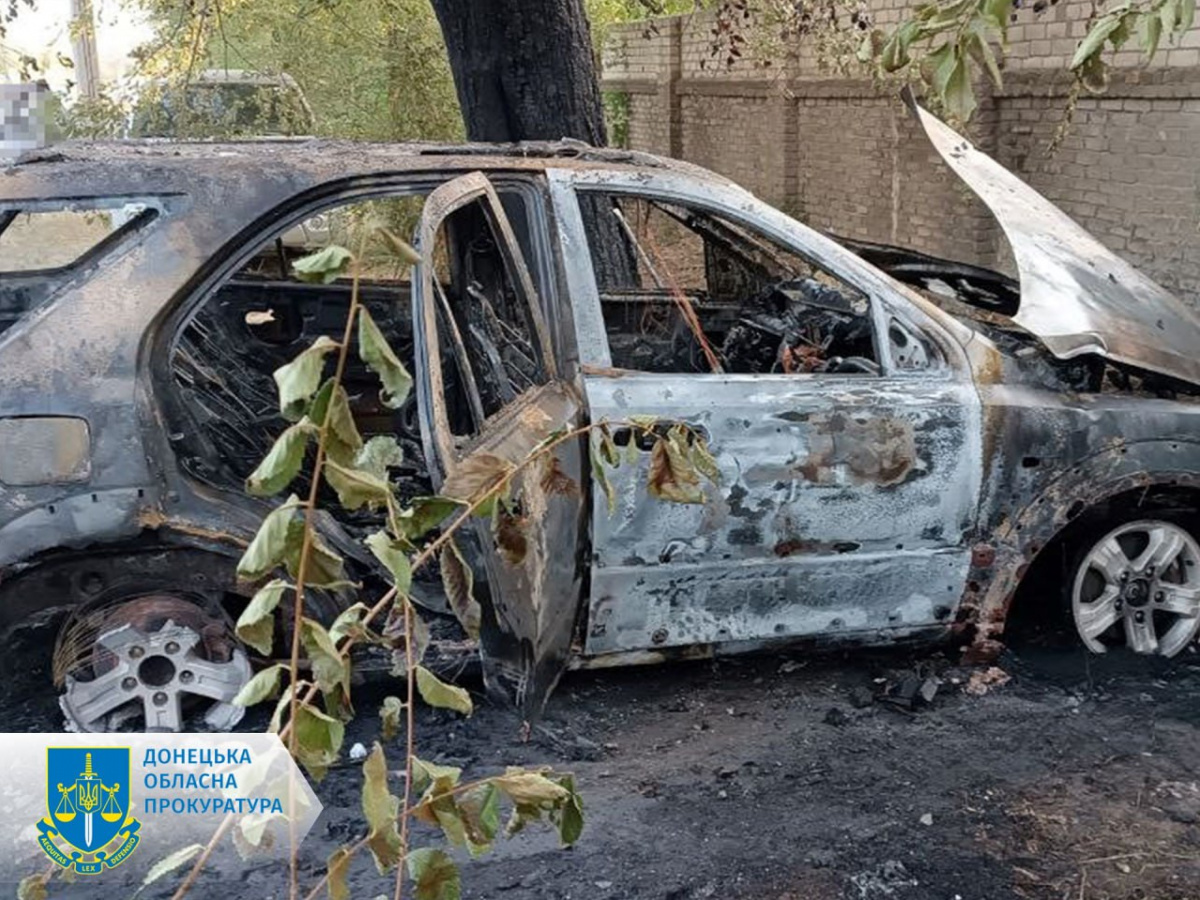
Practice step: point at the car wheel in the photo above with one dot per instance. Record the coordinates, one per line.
(154, 662)
(1138, 586)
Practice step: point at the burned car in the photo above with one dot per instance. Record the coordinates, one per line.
(906, 445)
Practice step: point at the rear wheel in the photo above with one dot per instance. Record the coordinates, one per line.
(154, 662)
(1138, 586)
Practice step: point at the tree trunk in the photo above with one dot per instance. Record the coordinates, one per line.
(524, 69)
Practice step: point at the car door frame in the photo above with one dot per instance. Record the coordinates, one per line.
(530, 606)
(637, 630)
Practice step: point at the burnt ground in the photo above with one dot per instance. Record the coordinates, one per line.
(785, 776)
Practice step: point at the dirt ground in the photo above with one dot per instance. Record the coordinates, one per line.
(784, 777)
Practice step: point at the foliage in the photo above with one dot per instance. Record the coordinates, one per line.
(616, 117)
(944, 43)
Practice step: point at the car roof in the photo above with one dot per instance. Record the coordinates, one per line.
(150, 166)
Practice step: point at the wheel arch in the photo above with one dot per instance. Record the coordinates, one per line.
(65, 578)
(1153, 475)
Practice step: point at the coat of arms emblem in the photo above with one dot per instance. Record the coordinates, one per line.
(88, 826)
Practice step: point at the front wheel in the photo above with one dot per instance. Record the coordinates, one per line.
(1139, 585)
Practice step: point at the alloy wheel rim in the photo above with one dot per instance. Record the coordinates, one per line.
(1139, 584)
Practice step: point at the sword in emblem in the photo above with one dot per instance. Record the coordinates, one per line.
(88, 798)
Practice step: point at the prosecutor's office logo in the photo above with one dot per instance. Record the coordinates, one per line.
(88, 826)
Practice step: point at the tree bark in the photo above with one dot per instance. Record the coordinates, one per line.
(524, 69)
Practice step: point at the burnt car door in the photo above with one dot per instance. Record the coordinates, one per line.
(842, 417)
(489, 386)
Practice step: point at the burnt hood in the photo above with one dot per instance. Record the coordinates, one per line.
(1077, 296)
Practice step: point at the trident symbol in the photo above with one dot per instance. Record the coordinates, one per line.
(87, 795)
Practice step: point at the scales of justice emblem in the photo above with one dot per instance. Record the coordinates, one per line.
(87, 801)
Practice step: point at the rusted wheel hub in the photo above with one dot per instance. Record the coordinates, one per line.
(158, 659)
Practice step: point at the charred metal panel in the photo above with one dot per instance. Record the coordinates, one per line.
(44, 450)
(1076, 295)
(828, 484)
(534, 594)
(1049, 458)
(810, 596)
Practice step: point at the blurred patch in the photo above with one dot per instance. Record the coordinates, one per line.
(22, 118)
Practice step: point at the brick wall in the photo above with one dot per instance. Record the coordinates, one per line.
(845, 156)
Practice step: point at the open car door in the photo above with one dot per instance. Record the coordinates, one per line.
(489, 393)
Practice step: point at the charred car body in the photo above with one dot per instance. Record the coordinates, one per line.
(902, 441)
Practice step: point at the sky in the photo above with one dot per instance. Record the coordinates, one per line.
(44, 33)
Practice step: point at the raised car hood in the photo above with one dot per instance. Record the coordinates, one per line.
(1076, 295)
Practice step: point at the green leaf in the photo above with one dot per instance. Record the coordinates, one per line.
(394, 558)
(284, 703)
(568, 817)
(389, 714)
(1150, 33)
(459, 583)
(1187, 16)
(338, 868)
(380, 807)
(349, 623)
(1125, 27)
(356, 488)
(981, 51)
(960, 96)
(319, 408)
(276, 538)
(1168, 15)
(324, 266)
(424, 514)
(171, 862)
(325, 568)
(329, 669)
(298, 380)
(444, 813)
(437, 693)
(346, 622)
(997, 13)
(378, 455)
(479, 811)
(256, 624)
(530, 788)
(343, 443)
(1093, 42)
(32, 887)
(434, 875)
(262, 686)
(431, 779)
(318, 739)
(939, 67)
(375, 351)
(282, 464)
